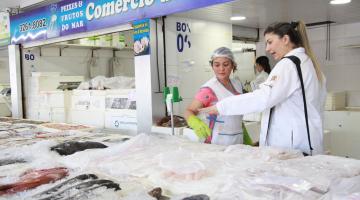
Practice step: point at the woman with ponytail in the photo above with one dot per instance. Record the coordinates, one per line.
(291, 99)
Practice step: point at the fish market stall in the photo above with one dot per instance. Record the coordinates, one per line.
(58, 161)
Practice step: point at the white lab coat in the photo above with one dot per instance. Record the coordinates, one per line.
(260, 78)
(282, 89)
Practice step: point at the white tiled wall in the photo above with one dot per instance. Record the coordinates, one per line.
(190, 69)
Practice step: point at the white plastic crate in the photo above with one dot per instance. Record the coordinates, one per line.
(97, 100)
(57, 98)
(120, 99)
(58, 115)
(80, 102)
(88, 100)
(88, 117)
(44, 114)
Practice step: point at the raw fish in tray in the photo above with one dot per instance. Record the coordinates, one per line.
(71, 147)
(76, 188)
(33, 179)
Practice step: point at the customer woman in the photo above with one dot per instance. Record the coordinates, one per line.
(262, 68)
(291, 119)
(222, 130)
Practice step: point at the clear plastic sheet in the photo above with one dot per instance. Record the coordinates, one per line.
(344, 189)
(102, 82)
(183, 168)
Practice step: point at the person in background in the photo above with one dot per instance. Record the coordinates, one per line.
(215, 129)
(286, 108)
(263, 69)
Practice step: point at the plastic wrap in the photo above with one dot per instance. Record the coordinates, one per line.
(183, 168)
(344, 189)
(101, 83)
(181, 165)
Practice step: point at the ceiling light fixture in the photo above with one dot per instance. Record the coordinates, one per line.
(237, 18)
(336, 2)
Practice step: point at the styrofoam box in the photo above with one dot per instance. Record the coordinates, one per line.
(32, 113)
(37, 101)
(44, 114)
(88, 100)
(58, 115)
(121, 119)
(81, 92)
(97, 102)
(57, 98)
(80, 102)
(49, 83)
(88, 117)
(120, 92)
(128, 95)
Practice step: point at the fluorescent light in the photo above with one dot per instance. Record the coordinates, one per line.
(236, 18)
(335, 2)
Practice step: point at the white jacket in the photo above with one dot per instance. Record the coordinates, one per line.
(282, 89)
(260, 78)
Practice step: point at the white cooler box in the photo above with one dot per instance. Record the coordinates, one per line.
(88, 117)
(56, 98)
(121, 119)
(59, 115)
(43, 114)
(88, 100)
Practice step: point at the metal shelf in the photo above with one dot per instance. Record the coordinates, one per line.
(80, 46)
(351, 46)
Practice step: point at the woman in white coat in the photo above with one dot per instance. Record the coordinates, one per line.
(280, 97)
(262, 68)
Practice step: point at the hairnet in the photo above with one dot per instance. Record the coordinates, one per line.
(225, 53)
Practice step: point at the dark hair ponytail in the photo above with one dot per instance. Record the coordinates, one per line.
(297, 34)
(263, 61)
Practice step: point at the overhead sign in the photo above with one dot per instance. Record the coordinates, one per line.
(76, 16)
(4, 29)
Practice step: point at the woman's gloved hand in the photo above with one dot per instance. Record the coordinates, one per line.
(201, 129)
(246, 137)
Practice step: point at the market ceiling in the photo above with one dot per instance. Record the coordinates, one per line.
(258, 13)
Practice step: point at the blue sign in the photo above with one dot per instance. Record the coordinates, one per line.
(141, 37)
(183, 37)
(76, 16)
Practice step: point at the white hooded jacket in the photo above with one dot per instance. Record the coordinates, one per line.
(282, 89)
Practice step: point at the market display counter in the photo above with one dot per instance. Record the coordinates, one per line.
(158, 166)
